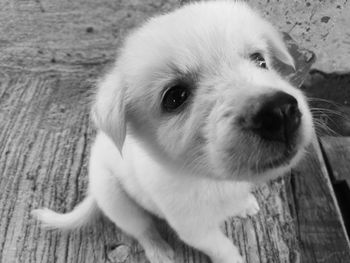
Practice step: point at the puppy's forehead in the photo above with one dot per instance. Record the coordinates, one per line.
(197, 36)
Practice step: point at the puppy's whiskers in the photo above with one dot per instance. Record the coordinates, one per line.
(328, 116)
(333, 103)
(322, 127)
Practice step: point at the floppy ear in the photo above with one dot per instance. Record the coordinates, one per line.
(109, 110)
(278, 48)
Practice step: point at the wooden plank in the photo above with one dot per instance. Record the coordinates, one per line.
(44, 161)
(320, 227)
(337, 155)
(47, 136)
(337, 150)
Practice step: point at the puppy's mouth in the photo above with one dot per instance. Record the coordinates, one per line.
(282, 160)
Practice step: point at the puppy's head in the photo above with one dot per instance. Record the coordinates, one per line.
(198, 88)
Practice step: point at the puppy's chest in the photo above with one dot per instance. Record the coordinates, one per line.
(162, 194)
(162, 191)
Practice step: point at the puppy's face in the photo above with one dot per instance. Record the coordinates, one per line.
(204, 95)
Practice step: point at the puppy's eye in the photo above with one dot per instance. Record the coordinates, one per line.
(259, 60)
(174, 97)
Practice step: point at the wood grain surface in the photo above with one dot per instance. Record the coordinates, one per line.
(337, 157)
(321, 230)
(337, 150)
(51, 54)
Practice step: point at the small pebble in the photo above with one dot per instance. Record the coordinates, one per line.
(119, 254)
(325, 19)
(89, 29)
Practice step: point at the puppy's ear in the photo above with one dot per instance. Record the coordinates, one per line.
(108, 112)
(278, 48)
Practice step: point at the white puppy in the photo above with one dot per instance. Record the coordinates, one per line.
(191, 116)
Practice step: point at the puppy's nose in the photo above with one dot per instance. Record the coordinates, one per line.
(278, 118)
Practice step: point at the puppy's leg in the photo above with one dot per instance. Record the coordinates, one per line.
(212, 242)
(127, 215)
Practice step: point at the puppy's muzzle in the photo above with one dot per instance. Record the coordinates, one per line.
(276, 118)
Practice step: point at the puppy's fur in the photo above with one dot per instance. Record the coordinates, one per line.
(195, 167)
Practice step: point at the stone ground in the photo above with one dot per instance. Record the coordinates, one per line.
(34, 36)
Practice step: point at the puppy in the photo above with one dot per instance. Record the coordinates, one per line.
(190, 117)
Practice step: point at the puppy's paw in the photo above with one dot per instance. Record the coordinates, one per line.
(230, 254)
(160, 254)
(235, 258)
(251, 207)
(238, 259)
